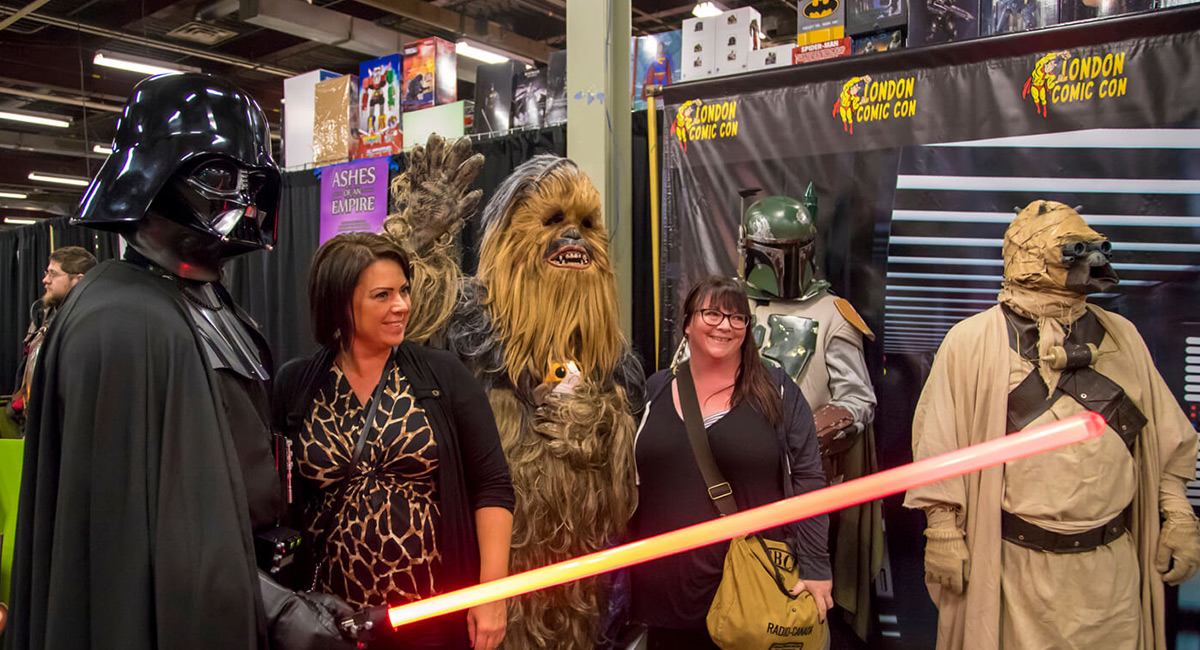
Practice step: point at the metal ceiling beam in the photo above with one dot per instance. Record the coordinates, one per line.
(24, 11)
(326, 26)
(484, 31)
(48, 207)
(33, 142)
(116, 35)
(70, 101)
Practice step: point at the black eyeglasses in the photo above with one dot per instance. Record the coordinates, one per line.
(714, 317)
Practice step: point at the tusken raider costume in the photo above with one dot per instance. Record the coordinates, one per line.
(1070, 548)
(149, 466)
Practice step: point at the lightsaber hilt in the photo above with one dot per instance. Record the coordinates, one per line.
(366, 625)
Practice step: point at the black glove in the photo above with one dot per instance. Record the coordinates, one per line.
(303, 621)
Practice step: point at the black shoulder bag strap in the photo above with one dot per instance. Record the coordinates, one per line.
(321, 525)
(719, 489)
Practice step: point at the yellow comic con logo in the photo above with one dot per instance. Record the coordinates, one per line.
(695, 121)
(1060, 78)
(865, 100)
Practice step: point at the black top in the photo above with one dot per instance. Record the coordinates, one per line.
(676, 591)
(133, 510)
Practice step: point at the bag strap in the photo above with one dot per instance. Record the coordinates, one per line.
(322, 522)
(719, 489)
(779, 582)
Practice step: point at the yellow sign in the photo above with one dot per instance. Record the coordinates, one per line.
(1060, 78)
(866, 100)
(696, 120)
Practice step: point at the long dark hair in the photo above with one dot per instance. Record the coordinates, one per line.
(753, 382)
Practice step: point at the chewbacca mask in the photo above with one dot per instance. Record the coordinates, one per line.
(547, 286)
(544, 262)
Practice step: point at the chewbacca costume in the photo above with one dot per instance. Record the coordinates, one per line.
(545, 295)
(1063, 549)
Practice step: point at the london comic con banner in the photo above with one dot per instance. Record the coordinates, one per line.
(843, 125)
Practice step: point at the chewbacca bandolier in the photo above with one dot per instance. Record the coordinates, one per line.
(544, 299)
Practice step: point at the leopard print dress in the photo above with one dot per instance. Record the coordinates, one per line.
(381, 547)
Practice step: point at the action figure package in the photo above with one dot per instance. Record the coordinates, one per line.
(820, 21)
(429, 74)
(335, 120)
(699, 48)
(737, 36)
(379, 102)
(771, 57)
(880, 42)
(1073, 10)
(1005, 16)
(943, 21)
(298, 97)
(556, 100)
(529, 98)
(493, 97)
(656, 62)
(871, 16)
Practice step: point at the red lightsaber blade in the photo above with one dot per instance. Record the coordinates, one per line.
(868, 488)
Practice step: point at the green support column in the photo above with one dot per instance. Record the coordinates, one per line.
(598, 121)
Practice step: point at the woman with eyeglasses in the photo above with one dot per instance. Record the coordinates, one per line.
(761, 434)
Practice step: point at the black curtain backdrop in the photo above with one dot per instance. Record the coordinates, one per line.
(24, 254)
(271, 285)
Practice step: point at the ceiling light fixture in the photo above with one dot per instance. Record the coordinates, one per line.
(707, 9)
(478, 53)
(138, 64)
(59, 121)
(102, 149)
(57, 178)
(13, 195)
(17, 221)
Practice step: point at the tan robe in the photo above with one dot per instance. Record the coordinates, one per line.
(964, 402)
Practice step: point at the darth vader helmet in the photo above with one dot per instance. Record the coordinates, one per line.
(190, 182)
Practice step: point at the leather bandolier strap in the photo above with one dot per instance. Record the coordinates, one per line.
(1090, 389)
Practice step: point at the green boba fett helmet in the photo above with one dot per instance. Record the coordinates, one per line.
(777, 240)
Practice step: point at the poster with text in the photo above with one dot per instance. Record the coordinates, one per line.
(353, 197)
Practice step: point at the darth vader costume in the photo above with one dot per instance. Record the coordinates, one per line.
(149, 465)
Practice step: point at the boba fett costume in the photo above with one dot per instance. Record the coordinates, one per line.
(817, 339)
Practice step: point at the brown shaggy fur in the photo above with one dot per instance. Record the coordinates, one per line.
(572, 457)
(544, 314)
(435, 280)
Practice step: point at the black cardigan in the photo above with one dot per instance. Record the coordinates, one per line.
(472, 470)
(802, 471)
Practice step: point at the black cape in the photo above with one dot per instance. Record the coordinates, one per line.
(133, 530)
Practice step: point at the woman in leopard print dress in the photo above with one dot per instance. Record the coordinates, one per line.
(428, 508)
